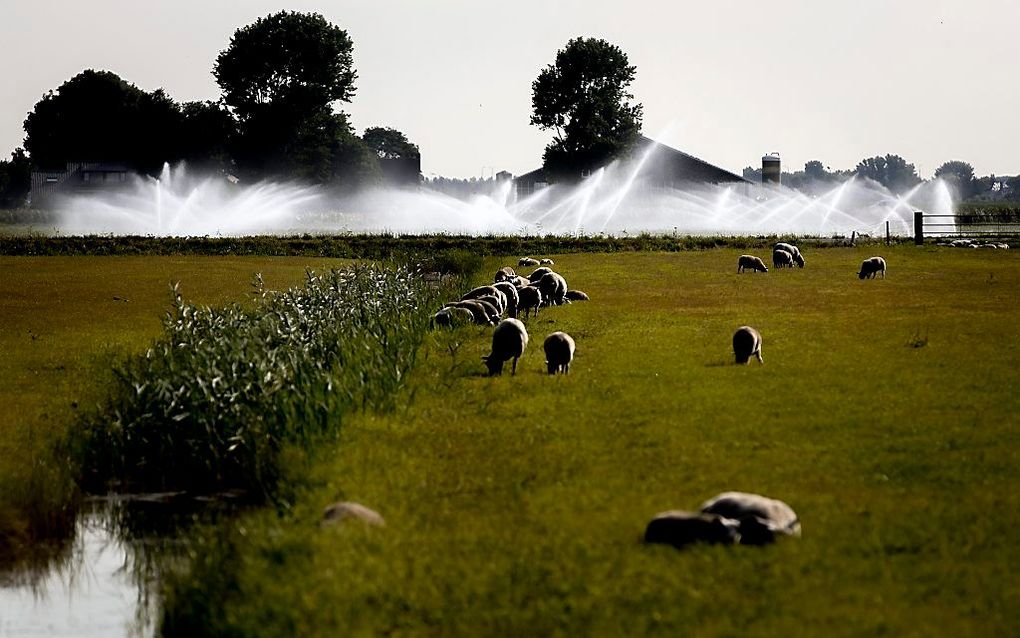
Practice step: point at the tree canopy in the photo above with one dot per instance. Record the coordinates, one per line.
(97, 116)
(15, 179)
(583, 96)
(291, 61)
(892, 171)
(960, 176)
(281, 76)
(389, 143)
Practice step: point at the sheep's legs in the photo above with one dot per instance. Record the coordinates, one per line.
(514, 370)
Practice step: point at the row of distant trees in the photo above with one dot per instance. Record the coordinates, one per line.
(282, 79)
(899, 176)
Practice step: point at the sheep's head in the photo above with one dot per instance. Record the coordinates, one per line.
(799, 259)
(494, 365)
(861, 274)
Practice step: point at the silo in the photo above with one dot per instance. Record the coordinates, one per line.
(771, 169)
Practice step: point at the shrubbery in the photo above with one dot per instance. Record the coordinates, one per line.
(215, 400)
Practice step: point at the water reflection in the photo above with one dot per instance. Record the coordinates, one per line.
(105, 582)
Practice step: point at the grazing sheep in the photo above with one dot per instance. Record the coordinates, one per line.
(747, 343)
(761, 519)
(493, 313)
(494, 300)
(509, 340)
(529, 298)
(680, 528)
(527, 261)
(538, 273)
(520, 282)
(871, 267)
(781, 259)
(554, 289)
(506, 273)
(346, 510)
(547, 262)
(577, 295)
(479, 312)
(442, 319)
(559, 352)
(482, 291)
(793, 250)
(752, 262)
(512, 298)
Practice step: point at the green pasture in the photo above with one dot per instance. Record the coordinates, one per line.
(62, 319)
(885, 413)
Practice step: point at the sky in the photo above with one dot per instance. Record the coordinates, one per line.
(726, 81)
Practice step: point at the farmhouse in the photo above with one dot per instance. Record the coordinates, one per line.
(76, 178)
(666, 167)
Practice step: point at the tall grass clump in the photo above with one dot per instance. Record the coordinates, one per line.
(213, 403)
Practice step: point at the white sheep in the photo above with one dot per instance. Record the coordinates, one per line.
(506, 273)
(782, 258)
(512, 297)
(346, 510)
(547, 262)
(577, 295)
(529, 298)
(747, 344)
(554, 289)
(509, 340)
(761, 519)
(482, 291)
(871, 267)
(793, 250)
(538, 273)
(480, 312)
(527, 261)
(751, 262)
(559, 352)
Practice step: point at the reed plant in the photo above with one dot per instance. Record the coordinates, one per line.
(212, 404)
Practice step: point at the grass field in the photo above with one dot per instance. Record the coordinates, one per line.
(886, 414)
(61, 321)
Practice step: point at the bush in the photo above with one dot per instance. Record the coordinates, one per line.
(213, 403)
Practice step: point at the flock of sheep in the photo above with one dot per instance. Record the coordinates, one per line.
(729, 518)
(512, 295)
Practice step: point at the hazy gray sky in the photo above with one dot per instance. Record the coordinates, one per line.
(726, 81)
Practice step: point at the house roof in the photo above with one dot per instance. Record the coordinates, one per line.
(699, 169)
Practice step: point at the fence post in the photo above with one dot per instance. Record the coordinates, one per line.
(888, 238)
(919, 228)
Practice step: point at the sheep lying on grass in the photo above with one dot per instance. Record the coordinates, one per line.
(871, 267)
(346, 511)
(559, 352)
(680, 528)
(793, 250)
(762, 519)
(577, 295)
(751, 262)
(527, 261)
(529, 298)
(509, 340)
(547, 262)
(781, 259)
(729, 518)
(747, 344)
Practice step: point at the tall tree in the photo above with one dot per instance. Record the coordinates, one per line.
(282, 76)
(583, 96)
(389, 143)
(892, 171)
(97, 116)
(960, 177)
